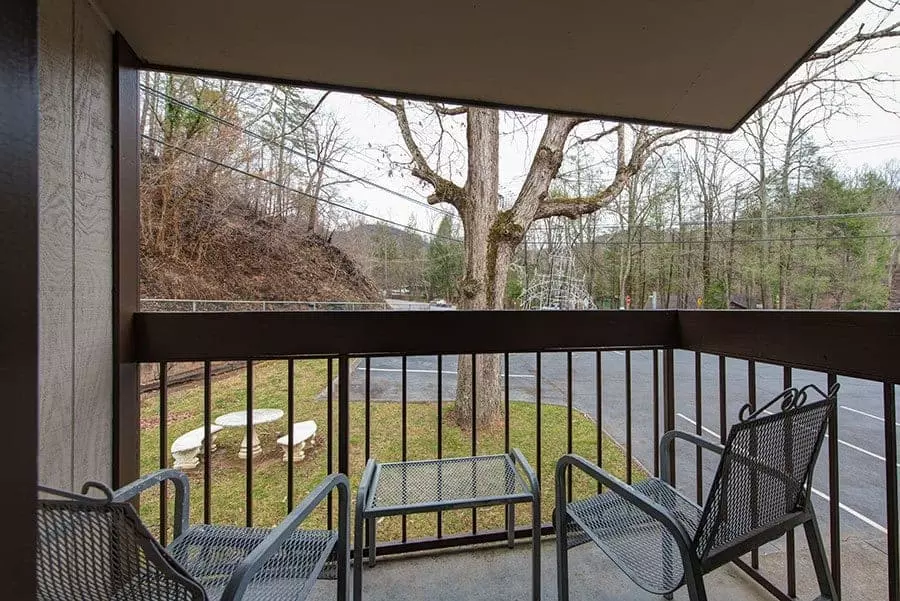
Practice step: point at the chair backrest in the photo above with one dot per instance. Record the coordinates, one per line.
(91, 548)
(765, 473)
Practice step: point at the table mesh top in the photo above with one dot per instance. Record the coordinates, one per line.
(444, 481)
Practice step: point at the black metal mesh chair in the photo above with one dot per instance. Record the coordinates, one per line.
(662, 540)
(92, 548)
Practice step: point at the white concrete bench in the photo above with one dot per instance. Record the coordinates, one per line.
(187, 447)
(304, 436)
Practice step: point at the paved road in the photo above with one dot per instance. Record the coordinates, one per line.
(861, 429)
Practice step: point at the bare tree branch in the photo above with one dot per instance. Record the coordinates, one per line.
(594, 137)
(444, 189)
(448, 111)
(647, 141)
(544, 167)
(890, 31)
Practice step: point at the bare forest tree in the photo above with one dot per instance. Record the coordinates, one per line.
(491, 235)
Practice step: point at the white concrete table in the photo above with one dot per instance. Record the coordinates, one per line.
(238, 419)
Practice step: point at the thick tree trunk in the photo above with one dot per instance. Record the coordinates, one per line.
(486, 266)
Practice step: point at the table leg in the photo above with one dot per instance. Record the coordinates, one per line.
(357, 558)
(256, 448)
(510, 525)
(371, 524)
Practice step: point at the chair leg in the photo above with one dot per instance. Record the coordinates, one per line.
(820, 562)
(695, 587)
(562, 555)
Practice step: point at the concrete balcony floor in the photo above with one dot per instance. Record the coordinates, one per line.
(500, 574)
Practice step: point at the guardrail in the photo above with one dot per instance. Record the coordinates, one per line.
(636, 374)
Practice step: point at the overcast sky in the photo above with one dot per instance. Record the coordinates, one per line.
(871, 137)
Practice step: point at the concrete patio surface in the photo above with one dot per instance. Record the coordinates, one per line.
(500, 574)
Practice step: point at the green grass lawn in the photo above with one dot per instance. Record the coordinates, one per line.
(270, 504)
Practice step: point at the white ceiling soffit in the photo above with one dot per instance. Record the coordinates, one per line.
(698, 63)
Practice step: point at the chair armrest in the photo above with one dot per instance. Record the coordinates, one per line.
(616, 486)
(251, 564)
(519, 460)
(362, 492)
(665, 447)
(182, 496)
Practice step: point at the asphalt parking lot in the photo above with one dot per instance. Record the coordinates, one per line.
(860, 407)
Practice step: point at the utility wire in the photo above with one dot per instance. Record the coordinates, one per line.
(297, 191)
(699, 242)
(436, 236)
(825, 217)
(294, 151)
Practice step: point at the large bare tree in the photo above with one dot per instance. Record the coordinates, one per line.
(492, 234)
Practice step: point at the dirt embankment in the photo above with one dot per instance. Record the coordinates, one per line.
(245, 258)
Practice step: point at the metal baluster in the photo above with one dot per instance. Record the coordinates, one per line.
(723, 391)
(890, 455)
(569, 415)
(537, 403)
(506, 402)
(329, 455)
(669, 403)
(628, 434)
(599, 401)
(474, 437)
(834, 492)
(509, 515)
(403, 399)
(248, 493)
(440, 436)
(290, 463)
(790, 542)
(207, 442)
(698, 418)
(344, 415)
(368, 393)
(754, 483)
(655, 412)
(163, 449)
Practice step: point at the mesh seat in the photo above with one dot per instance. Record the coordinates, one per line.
(637, 543)
(211, 553)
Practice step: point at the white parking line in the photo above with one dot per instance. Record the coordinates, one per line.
(848, 445)
(861, 450)
(704, 428)
(815, 491)
(881, 419)
(427, 371)
(853, 512)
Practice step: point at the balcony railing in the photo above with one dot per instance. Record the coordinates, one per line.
(635, 374)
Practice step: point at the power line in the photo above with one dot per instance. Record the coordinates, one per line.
(296, 191)
(294, 151)
(801, 217)
(692, 242)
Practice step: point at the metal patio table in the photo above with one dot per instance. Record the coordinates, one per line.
(406, 487)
